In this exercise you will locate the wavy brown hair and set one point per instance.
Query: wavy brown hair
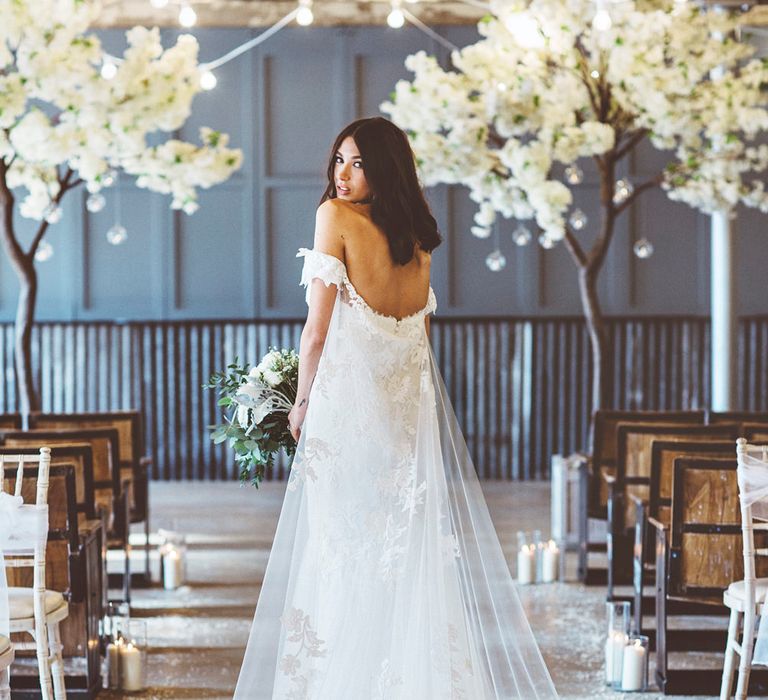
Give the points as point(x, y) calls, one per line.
point(398, 205)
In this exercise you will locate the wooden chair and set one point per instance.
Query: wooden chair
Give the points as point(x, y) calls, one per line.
point(697, 558)
point(659, 507)
point(109, 489)
point(73, 567)
point(10, 421)
point(746, 598)
point(603, 463)
point(755, 432)
point(631, 481)
point(131, 454)
point(36, 610)
point(737, 417)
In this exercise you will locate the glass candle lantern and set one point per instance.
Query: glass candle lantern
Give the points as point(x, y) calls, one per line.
point(133, 657)
point(634, 669)
point(538, 545)
point(173, 560)
point(617, 638)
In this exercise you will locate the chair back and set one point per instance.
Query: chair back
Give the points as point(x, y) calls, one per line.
point(635, 443)
point(753, 498)
point(755, 433)
point(706, 524)
point(605, 446)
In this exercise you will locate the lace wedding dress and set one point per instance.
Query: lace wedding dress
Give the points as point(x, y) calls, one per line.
point(386, 580)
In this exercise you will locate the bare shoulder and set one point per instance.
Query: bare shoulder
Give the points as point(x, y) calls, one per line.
point(339, 210)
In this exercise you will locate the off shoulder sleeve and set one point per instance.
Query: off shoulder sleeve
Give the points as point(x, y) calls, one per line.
point(323, 266)
point(431, 302)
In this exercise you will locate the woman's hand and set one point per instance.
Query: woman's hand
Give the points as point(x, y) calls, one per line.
point(296, 418)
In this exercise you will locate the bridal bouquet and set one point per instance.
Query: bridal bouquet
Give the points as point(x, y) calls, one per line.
point(260, 399)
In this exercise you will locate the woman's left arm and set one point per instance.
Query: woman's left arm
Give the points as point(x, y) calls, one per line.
point(321, 300)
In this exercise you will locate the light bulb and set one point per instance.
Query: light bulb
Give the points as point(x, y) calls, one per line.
point(496, 261)
point(52, 213)
point(95, 202)
point(207, 80)
point(44, 252)
point(595, 74)
point(117, 234)
point(108, 69)
point(396, 18)
point(159, 4)
point(546, 241)
point(602, 20)
point(109, 177)
point(480, 231)
point(187, 16)
point(574, 175)
point(521, 235)
point(304, 16)
point(643, 248)
point(622, 190)
point(578, 219)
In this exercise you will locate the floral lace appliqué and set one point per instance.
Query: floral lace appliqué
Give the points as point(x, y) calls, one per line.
point(300, 631)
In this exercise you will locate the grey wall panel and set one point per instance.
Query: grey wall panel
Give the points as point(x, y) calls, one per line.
point(520, 387)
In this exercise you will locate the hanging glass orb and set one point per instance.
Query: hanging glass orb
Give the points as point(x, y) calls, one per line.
point(95, 202)
point(44, 251)
point(496, 261)
point(480, 231)
point(109, 177)
point(521, 235)
point(578, 220)
point(52, 213)
point(643, 248)
point(117, 234)
point(622, 190)
point(546, 241)
point(574, 175)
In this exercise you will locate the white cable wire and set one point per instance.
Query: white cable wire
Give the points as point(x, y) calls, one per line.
point(416, 22)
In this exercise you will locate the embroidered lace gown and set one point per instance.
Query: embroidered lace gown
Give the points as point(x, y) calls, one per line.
point(386, 580)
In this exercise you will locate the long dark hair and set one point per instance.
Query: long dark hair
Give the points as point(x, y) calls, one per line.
point(398, 205)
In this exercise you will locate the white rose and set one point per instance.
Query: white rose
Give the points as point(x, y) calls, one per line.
point(271, 377)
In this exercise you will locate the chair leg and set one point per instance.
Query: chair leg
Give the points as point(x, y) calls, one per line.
point(5, 684)
point(43, 661)
point(745, 663)
point(57, 661)
point(730, 655)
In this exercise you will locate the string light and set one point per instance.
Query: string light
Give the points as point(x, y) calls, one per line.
point(602, 20)
point(187, 16)
point(108, 69)
point(304, 16)
point(396, 18)
point(207, 80)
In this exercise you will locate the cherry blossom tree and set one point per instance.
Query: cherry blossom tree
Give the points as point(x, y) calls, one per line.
point(70, 115)
point(555, 81)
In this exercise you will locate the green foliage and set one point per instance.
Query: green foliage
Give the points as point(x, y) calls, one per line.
point(255, 447)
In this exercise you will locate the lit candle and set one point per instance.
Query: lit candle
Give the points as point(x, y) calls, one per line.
point(172, 569)
point(526, 564)
point(550, 563)
point(614, 656)
point(633, 671)
point(130, 668)
point(113, 660)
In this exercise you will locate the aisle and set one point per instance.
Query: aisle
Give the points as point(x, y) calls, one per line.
point(198, 633)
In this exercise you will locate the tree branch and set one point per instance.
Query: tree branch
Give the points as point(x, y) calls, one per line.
point(647, 185)
point(636, 138)
point(574, 247)
point(64, 186)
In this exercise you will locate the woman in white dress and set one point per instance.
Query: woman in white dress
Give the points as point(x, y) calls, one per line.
point(386, 580)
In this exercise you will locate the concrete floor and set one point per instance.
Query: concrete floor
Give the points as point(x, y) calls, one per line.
point(198, 633)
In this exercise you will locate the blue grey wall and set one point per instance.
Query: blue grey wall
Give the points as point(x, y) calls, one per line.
point(283, 104)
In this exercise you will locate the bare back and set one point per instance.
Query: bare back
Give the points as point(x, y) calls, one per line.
point(389, 288)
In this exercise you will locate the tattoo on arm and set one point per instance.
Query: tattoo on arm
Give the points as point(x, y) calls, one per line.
point(303, 401)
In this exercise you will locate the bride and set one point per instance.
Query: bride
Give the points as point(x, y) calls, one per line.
point(386, 580)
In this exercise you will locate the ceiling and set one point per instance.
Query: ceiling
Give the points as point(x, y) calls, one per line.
point(263, 13)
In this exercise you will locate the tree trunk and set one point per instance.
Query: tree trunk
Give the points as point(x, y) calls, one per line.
point(24, 267)
point(598, 335)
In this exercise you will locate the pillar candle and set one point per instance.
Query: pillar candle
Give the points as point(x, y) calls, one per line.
point(526, 564)
point(633, 667)
point(131, 675)
point(551, 562)
point(113, 661)
point(172, 570)
point(614, 656)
